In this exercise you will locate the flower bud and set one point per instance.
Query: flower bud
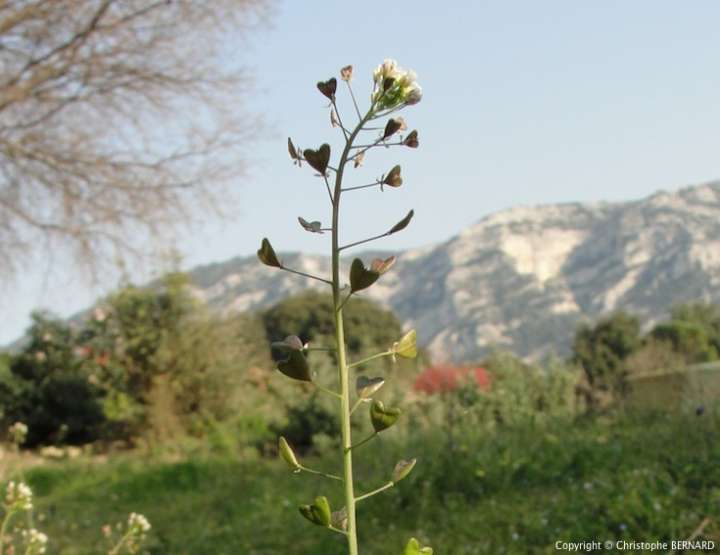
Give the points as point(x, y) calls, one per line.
point(414, 95)
point(346, 73)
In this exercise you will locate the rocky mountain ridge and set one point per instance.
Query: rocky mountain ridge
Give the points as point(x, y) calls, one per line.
point(522, 279)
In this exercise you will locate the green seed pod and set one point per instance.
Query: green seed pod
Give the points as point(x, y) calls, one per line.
point(360, 277)
point(402, 224)
point(306, 511)
point(366, 387)
point(413, 548)
point(407, 346)
point(312, 227)
point(393, 178)
point(267, 255)
point(290, 343)
point(318, 159)
point(288, 454)
point(381, 266)
point(412, 139)
point(328, 88)
point(295, 367)
point(402, 469)
point(321, 511)
point(383, 418)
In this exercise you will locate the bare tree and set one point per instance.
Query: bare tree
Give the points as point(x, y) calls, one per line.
point(117, 119)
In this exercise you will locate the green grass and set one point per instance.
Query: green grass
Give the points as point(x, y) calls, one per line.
point(514, 491)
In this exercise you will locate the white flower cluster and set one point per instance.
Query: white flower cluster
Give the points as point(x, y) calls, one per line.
point(36, 542)
point(138, 524)
point(18, 496)
point(18, 433)
point(394, 86)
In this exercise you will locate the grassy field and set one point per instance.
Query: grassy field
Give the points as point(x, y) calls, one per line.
point(512, 491)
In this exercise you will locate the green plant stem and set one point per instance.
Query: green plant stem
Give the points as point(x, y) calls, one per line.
point(328, 391)
point(352, 95)
point(305, 275)
point(115, 550)
point(375, 491)
point(317, 472)
point(343, 370)
point(3, 528)
point(375, 184)
point(356, 405)
point(363, 442)
point(368, 359)
point(356, 243)
point(346, 299)
point(337, 114)
point(343, 532)
point(327, 186)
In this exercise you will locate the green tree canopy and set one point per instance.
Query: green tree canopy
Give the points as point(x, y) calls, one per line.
point(309, 315)
point(601, 349)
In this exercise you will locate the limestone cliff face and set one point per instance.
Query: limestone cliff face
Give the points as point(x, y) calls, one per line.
point(522, 279)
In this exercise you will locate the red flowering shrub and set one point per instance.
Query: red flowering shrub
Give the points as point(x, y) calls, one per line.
point(444, 379)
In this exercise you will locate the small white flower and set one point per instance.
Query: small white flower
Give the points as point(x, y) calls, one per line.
point(36, 541)
point(414, 94)
point(403, 89)
point(138, 523)
point(387, 70)
point(18, 433)
point(18, 496)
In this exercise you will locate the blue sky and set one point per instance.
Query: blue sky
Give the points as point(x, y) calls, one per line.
point(524, 103)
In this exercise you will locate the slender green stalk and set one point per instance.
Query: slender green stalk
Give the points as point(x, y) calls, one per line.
point(375, 491)
point(318, 473)
point(356, 405)
point(363, 442)
point(305, 275)
point(115, 550)
point(368, 359)
point(3, 529)
point(343, 370)
point(356, 243)
point(328, 391)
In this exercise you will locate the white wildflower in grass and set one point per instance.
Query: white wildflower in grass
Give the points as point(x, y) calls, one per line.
point(138, 523)
point(18, 433)
point(35, 541)
point(18, 497)
point(137, 527)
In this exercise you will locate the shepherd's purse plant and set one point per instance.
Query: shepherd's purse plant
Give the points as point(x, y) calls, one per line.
point(393, 90)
